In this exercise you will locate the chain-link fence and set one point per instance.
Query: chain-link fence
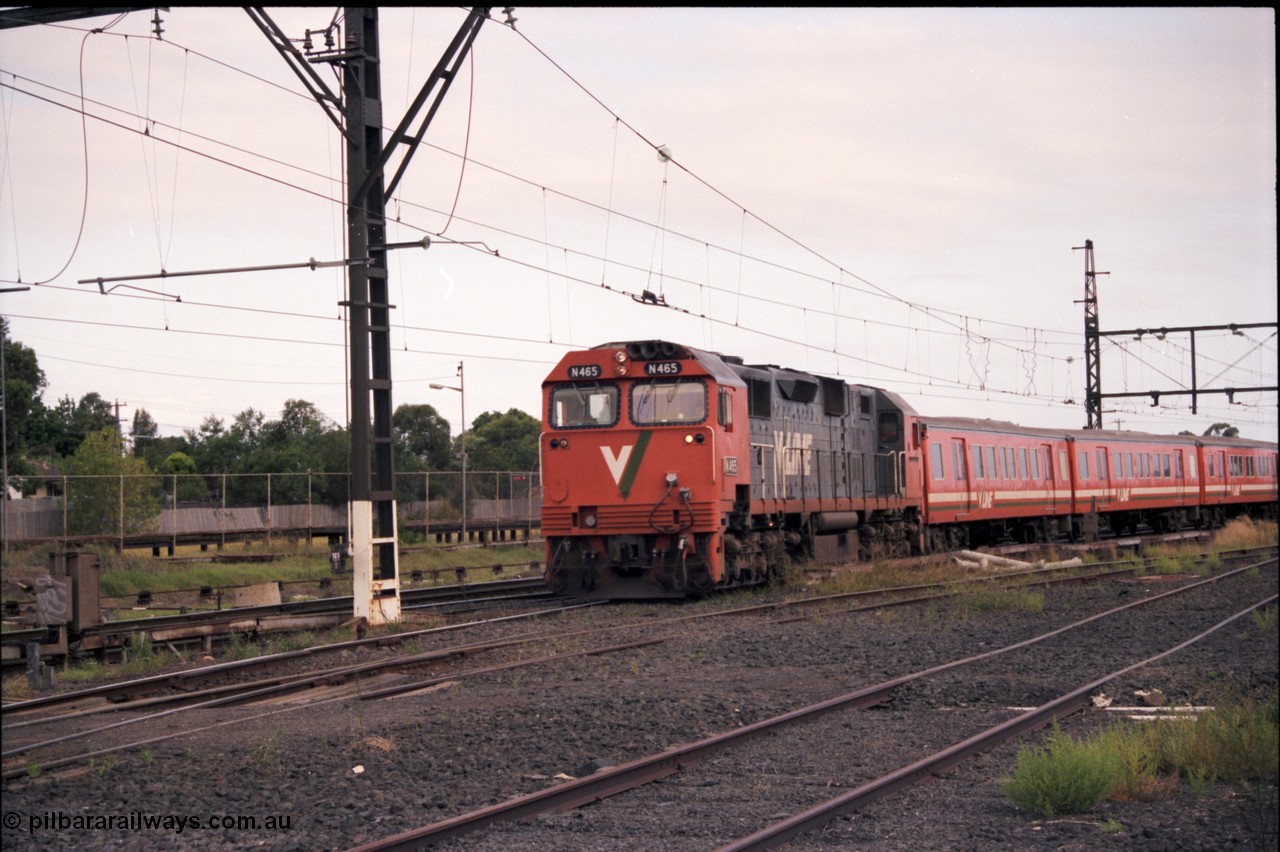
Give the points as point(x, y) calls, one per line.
point(159, 510)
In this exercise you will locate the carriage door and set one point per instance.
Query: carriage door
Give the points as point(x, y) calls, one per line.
point(1047, 480)
point(961, 474)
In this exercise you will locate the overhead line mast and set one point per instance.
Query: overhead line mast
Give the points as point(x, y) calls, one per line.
point(372, 500)
point(1093, 395)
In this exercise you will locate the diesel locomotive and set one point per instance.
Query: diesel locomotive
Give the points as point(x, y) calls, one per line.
point(669, 471)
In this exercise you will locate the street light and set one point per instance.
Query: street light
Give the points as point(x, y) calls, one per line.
point(462, 393)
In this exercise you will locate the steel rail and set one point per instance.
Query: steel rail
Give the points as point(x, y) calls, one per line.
point(183, 679)
point(923, 769)
point(306, 680)
point(610, 781)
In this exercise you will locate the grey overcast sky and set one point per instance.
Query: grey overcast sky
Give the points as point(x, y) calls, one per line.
point(888, 195)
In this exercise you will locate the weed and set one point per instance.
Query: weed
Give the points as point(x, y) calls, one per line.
point(267, 751)
point(987, 598)
point(290, 642)
point(1238, 743)
point(1265, 620)
point(1065, 777)
point(147, 756)
point(1166, 564)
point(1245, 532)
point(1112, 826)
point(374, 743)
point(1201, 780)
point(240, 646)
point(16, 688)
point(33, 769)
point(102, 767)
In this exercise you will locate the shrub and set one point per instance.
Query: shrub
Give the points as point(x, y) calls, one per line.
point(1065, 777)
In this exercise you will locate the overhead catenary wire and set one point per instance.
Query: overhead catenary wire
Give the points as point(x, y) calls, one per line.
point(807, 311)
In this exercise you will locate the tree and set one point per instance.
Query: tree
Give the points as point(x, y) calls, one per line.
point(1226, 430)
point(143, 430)
point(180, 471)
point(65, 426)
point(24, 381)
point(108, 492)
point(503, 441)
point(291, 444)
point(422, 438)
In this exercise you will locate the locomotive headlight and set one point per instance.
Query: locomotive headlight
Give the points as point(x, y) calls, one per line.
point(695, 439)
point(620, 356)
point(688, 439)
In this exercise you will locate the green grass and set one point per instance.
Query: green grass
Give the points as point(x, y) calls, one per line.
point(1238, 744)
point(987, 598)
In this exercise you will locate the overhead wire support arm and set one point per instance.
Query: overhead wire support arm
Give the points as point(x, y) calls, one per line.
point(316, 86)
point(444, 73)
point(311, 264)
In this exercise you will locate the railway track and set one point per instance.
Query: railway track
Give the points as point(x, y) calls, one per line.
point(205, 627)
point(612, 781)
point(160, 697)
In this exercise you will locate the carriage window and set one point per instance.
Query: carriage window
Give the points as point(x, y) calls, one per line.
point(935, 460)
point(1035, 464)
point(579, 406)
point(664, 402)
point(957, 449)
point(1128, 465)
point(1212, 469)
point(979, 472)
point(1248, 465)
point(1062, 464)
point(991, 463)
point(1102, 464)
point(1177, 464)
point(1022, 462)
point(1082, 464)
point(1165, 461)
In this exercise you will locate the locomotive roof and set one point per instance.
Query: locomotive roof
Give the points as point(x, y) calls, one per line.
point(713, 362)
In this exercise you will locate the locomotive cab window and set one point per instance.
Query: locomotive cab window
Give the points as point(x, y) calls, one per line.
point(575, 406)
point(890, 428)
point(668, 402)
point(935, 460)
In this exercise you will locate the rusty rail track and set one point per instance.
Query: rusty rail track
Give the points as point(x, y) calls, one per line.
point(611, 781)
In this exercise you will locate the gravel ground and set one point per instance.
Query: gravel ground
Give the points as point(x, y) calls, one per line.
point(349, 772)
